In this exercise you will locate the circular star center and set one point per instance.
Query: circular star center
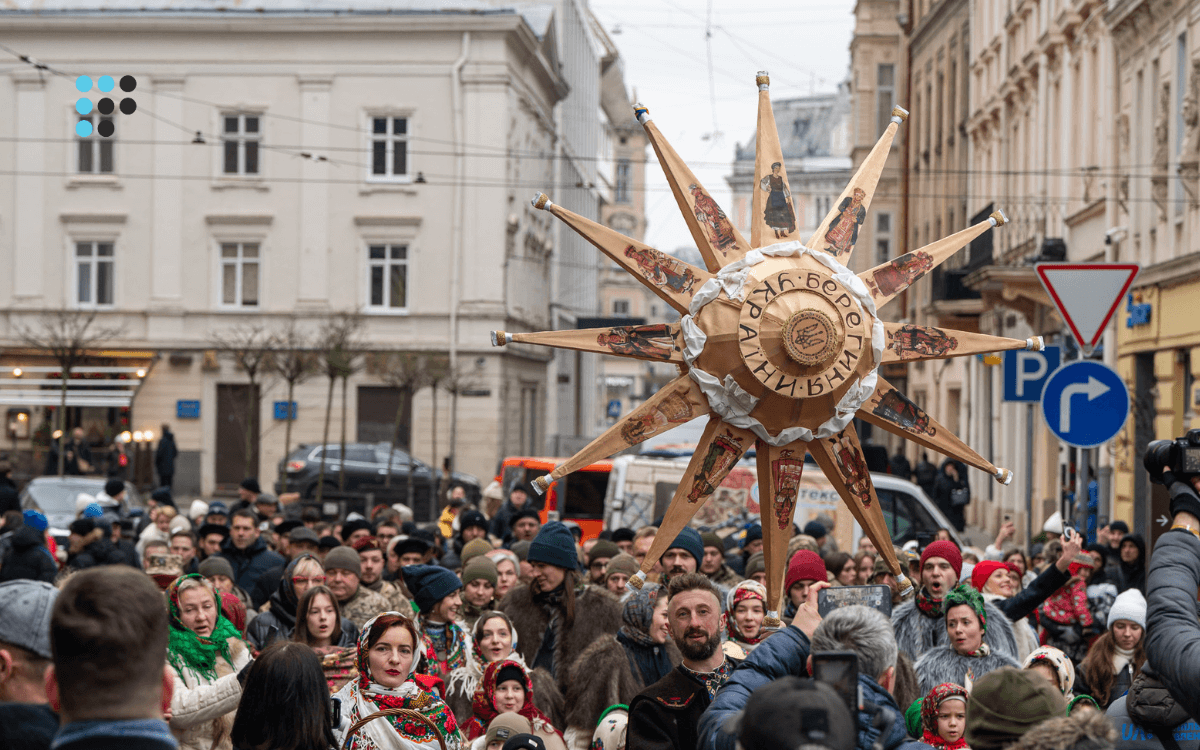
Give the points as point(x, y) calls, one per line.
point(810, 337)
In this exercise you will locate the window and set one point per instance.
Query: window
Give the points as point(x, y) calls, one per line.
point(620, 307)
point(389, 147)
point(621, 192)
point(239, 274)
point(94, 273)
point(95, 152)
point(388, 276)
point(241, 137)
point(885, 95)
point(883, 251)
point(883, 222)
point(883, 237)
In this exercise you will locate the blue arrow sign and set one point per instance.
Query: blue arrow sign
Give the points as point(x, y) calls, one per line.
point(1085, 403)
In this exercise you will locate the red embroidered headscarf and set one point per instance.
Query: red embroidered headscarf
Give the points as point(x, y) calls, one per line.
point(929, 715)
point(484, 707)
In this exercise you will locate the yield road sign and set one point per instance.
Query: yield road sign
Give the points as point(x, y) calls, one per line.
point(1087, 294)
point(1085, 403)
point(1026, 372)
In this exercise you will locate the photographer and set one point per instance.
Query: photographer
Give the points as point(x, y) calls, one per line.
point(1173, 638)
point(864, 631)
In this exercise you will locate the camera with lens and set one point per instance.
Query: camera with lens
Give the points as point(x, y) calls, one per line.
point(1179, 457)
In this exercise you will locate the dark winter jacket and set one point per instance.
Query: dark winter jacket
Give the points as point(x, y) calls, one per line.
point(1132, 576)
point(137, 734)
point(165, 454)
point(248, 564)
point(10, 499)
point(917, 633)
point(1173, 638)
point(1119, 688)
point(666, 715)
point(942, 489)
point(786, 653)
point(29, 558)
point(27, 726)
point(1024, 602)
point(501, 523)
point(1133, 735)
point(597, 613)
point(97, 550)
point(277, 624)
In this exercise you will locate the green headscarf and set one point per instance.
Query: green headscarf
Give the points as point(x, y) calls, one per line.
point(964, 594)
point(186, 649)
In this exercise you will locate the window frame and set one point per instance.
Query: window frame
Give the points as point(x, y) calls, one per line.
point(97, 144)
point(387, 263)
point(622, 181)
point(93, 261)
point(369, 138)
point(219, 275)
point(621, 301)
point(241, 113)
point(884, 116)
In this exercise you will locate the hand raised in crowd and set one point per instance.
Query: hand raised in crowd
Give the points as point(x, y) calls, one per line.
point(1007, 531)
point(807, 619)
point(1070, 548)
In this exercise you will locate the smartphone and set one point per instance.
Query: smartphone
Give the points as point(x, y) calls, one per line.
point(875, 596)
point(839, 670)
point(1007, 518)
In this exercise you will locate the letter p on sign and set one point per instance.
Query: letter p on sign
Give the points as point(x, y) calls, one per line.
point(1025, 373)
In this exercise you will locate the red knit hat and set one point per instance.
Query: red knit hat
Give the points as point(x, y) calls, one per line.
point(983, 571)
point(806, 565)
point(948, 551)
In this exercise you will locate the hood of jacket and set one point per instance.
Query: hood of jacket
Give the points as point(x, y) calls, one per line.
point(26, 538)
point(878, 698)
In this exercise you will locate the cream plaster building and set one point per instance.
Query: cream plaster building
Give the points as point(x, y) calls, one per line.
point(376, 159)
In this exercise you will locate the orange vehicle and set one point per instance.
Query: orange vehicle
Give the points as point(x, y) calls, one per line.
point(578, 497)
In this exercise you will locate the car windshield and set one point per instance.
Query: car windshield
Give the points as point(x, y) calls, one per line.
point(56, 497)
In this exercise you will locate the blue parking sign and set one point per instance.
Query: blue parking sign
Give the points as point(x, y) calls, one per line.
point(1085, 403)
point(1026, 373)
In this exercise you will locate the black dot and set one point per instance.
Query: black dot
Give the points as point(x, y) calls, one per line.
point(105, 106)
point(128, 83)
point(106, 128)
point(128, 106)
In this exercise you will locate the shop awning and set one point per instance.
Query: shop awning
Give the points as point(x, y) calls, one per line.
point(88, 386)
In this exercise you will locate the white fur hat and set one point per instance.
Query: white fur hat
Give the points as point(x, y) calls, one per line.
point(1054, 524)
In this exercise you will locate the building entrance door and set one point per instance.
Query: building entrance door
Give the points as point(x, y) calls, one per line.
point(234, 404)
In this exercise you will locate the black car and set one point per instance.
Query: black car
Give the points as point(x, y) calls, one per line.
point(366, 471)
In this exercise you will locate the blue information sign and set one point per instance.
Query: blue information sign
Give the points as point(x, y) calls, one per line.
point(187, 409)
point(1085, 403)
point(281, 409)
point(1026, 373)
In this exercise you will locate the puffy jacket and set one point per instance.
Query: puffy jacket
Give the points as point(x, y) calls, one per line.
point(248, 564)
point(199, 703)
point(1136, 736)
point(1173, 635)
point(29, 558)
point(786, 653)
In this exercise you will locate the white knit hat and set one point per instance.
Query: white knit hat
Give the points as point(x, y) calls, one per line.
point(198, 510)
point(1130, 605)
point(1054, 524)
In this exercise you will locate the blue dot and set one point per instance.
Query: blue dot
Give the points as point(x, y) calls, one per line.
point(106, 83)
point(83, 106)
point(84, 83)
point(83, 128)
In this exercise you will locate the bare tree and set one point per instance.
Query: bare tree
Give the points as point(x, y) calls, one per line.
point(338, 346)
point(438, 372)
point(406, 372)
point(458, 380)
point(252, 349)
point(293, 362)
point(67, 336)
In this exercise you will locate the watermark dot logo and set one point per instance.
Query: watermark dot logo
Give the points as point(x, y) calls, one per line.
point(106, 106)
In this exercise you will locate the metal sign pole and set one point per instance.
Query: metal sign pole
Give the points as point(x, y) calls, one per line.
point(1028, 474)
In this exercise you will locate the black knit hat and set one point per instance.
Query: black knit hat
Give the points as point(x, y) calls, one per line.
point(429, 584)
point(524, 742)
point(469, 518)
point(555, 545)
point(689, 541)
point(82, 526)
point(623, 535)
point(357, 524)
point(213, 528)
point(114, 487)
point(250, 484)
point(510, 672)
point(526, 512)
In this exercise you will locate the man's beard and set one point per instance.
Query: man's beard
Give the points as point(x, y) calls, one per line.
point(676, 570)
point(698, 651)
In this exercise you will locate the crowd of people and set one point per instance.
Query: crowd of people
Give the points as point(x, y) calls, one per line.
point(258, 625)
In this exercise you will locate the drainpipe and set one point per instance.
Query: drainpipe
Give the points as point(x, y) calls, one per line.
point(460, 172)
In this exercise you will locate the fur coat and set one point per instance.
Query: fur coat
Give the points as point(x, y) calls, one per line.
point(202, 710)
point(603, 676)
point(597, 613)
point(944, 664)
point(917, 633)
point(1023, 633)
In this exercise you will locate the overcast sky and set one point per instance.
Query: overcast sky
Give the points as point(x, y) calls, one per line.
point(804, 45)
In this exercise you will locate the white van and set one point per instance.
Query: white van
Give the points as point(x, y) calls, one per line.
point(640, 488)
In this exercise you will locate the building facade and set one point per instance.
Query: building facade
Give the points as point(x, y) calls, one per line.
point(297, 185)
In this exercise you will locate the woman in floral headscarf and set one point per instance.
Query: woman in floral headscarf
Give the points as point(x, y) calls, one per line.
point(506, 687)
point(387, 655)
point(744, 611)
point(966, 657)
point(943, 717)
point(205, 652)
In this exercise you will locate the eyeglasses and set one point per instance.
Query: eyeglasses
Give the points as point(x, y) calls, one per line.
point(315, 580)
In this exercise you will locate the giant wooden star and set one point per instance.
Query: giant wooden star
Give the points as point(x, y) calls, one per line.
point(779, 346)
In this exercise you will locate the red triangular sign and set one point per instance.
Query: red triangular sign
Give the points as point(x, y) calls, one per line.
point(1087, 294)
